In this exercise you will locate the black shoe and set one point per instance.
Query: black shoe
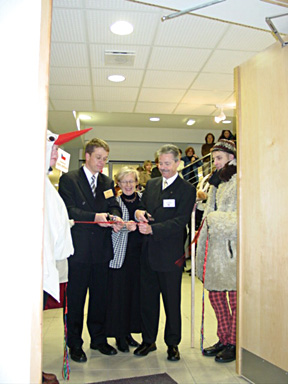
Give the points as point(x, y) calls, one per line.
point(144, 349)
point(131, 341)
point(77, 354)
point(122, 344)
point(214, 350)
point(173, 353)
point(104, 348)
point(227, 355)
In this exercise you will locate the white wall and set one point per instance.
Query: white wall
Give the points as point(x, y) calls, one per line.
point(22, 188)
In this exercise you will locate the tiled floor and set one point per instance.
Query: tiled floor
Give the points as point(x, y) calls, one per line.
point(192, 368)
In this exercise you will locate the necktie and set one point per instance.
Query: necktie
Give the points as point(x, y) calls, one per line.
point(93, 185)
point(165, 184)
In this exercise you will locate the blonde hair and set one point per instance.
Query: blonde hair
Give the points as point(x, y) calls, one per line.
point(124, 171)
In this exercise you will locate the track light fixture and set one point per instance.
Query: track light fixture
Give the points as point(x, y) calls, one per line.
point(221, 115)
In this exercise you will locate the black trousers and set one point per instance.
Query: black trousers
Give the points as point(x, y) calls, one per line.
point(152, 285)
point(83, 277)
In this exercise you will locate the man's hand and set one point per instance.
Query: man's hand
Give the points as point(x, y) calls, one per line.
point(145, 228)
point(131, 226)
point(102, 217)
point(118, 223)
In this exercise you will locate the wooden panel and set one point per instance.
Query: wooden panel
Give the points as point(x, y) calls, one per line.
point(263, 198)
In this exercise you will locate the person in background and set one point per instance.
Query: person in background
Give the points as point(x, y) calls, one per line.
point(123, 309)
point(164, 211)
point(190, 173)
point(226, 134)
point(205, 151)
point(146, 174)
point(89, 196)
point(155, 170)
point(58, 244)
point(220, 228)
point(181, 164)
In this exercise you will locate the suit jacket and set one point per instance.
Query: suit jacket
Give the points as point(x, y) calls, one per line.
point(166, 245)
point(92, 243)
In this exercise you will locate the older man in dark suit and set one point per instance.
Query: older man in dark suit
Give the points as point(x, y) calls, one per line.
point(167, 205)
point(90, 197)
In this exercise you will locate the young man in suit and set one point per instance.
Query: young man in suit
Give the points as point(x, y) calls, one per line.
point(89, 196)
point(167, 205)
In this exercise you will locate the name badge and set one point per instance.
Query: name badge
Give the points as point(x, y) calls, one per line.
point(169, 203)
point(108, 193)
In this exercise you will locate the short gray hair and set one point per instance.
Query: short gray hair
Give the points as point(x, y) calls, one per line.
point(169, 148)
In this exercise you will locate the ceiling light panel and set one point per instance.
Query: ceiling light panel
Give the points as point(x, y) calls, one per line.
point(122, 28)
point(99, 22)
point(133, 77)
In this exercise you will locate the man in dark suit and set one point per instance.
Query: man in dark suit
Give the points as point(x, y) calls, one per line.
point(88, 267)
point(167, 205)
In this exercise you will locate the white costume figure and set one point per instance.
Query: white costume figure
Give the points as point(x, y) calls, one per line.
point(58, 244)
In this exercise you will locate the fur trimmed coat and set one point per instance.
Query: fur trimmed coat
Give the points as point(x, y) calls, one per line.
point(221, 225)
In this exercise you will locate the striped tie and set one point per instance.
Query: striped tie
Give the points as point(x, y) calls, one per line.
point(93, 185)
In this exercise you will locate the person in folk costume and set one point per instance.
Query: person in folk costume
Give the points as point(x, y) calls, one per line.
point(220, 226)
point(58, 244)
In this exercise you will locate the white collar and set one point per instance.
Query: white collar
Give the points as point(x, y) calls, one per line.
point(170, 180)
point(89, 174)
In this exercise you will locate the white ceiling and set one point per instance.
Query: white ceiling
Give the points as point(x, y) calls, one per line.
point(183, 67)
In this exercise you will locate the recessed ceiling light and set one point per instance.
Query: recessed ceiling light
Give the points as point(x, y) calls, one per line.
point(226, 122)
point(116, 78)
point(84, 117)
point(121, 28)
point(191, 122)
point(154, 118)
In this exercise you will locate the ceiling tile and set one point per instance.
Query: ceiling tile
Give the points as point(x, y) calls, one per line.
point(142, 107)
point(182, 59)
point(194, 109)
point(114, 94)
point(246, 39)
point(66, 92)
point(205, 97)
point(69, 55)
point(68, 25)
point(115, 106)
point(70, 76)
point(223, 82)
point(73, 105)
point(190, 31)
point(168, 79)
point(161, 95)
point(224, 61)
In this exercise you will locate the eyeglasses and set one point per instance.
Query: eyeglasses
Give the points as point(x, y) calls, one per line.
point(130, 182)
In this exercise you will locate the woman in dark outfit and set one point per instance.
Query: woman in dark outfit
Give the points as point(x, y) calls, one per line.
point(123, 314)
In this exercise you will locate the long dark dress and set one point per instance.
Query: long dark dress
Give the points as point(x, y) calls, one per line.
point(123, 311)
